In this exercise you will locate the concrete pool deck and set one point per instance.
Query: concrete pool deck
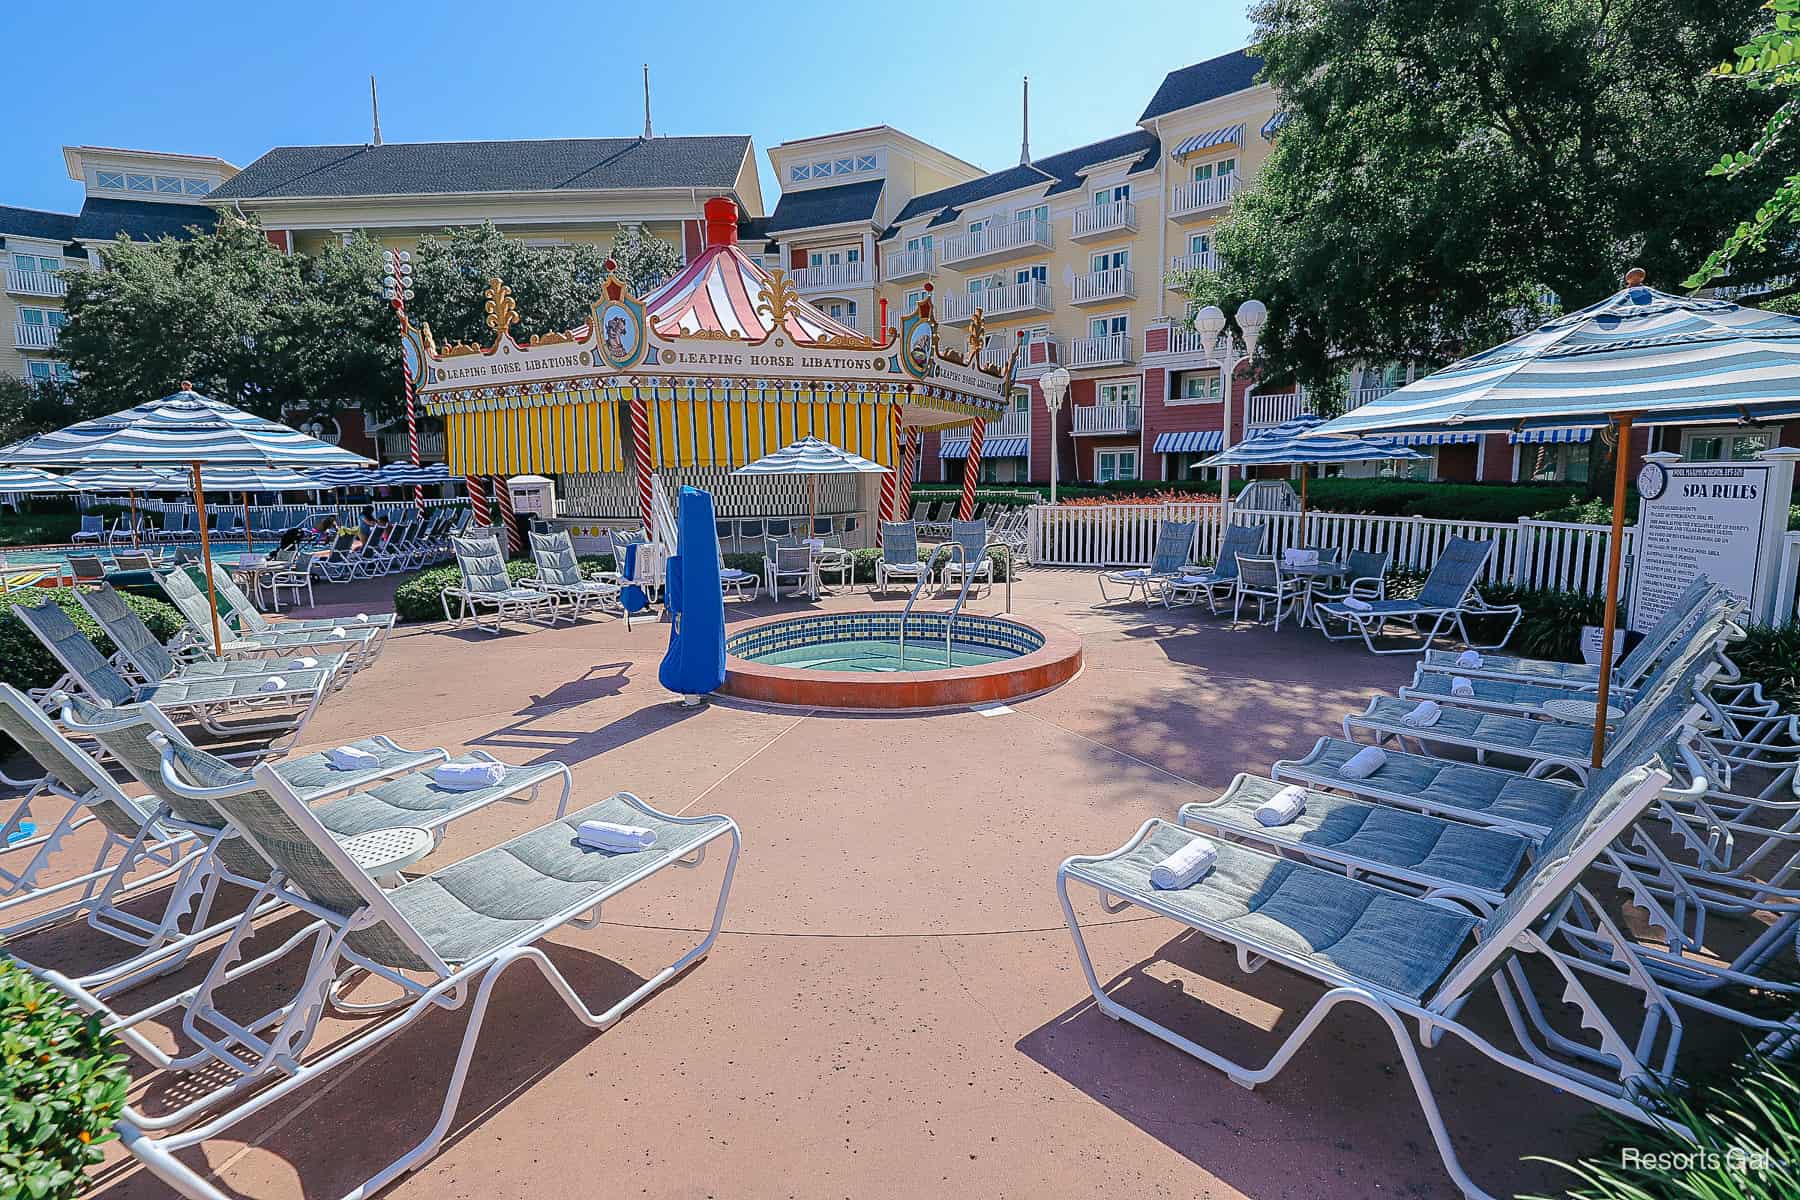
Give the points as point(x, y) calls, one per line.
point(894, 1008)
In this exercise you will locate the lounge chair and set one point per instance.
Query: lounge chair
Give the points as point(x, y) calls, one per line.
point(977, 561)
point(339, 564)
point(86, 568)
point(560, 574)
point(487, 586)
point(247, 620)
point(794, 564)
point(1221, 580)
point(125, 560)
point(1406, 959)
point(282, 712)
point(1174, 543)
point(1364, 577)
point(358, 639)
point(442, 940)
point(93, 529)
point(1260, 579)
point(899, 556)
point(1447, 599)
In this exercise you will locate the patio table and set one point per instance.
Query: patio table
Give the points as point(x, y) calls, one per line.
point(1323, 572)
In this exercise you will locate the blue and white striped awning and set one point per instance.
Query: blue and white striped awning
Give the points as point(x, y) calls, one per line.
point(1285, 444)
point(1435, 439)
point(1006, 447)
point(404, 473)
point(1231, 135)
point(1565, 434)
point(1194, 441)
point(811, 456)
point(1667, 360)
point(1273, 124)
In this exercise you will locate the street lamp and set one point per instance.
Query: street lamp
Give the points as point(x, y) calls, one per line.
point(396, 289)
point(1055, 384)
point(1209, 323)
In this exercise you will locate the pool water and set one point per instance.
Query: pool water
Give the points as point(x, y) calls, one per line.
point(883, 654)
point(224, 549)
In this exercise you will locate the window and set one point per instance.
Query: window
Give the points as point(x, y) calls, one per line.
point(1124, 391)
point(32, 316)
point(1021, 400)
point(865, 162)
point(168, 184)
point(1218, 169)
point(196, 187)
point(1199, 386)
point(1199, 243)
point(1115, 464)
point(110, 179)
point(1115, 326)
point(840, 310)
point(32, 262)
point(1187, 466)
point(1721, 445)
point(977, 228)
point(821, 170)
point(57, 317)
point(844, 166)
point(1561, 463)
point(1040, 213)
point(1112, 195)
point(914, 299)
point(140, 183)
point(1037, 274)
point(799, 172)
point(922, 242)
point(1037, 333)
point(40, 371)
point(1108, 260)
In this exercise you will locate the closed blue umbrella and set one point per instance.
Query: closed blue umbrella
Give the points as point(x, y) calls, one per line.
point(695, 662)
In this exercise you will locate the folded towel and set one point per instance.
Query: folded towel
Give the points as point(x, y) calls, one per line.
point(1468, 658)
point(1282, 807)
point(609, 835)
point(1299, 558)
point(273, 683)
point(350, 758)
point(1424, 714)
point(1364, 763)
point(360, 617)
point(1462, 685)
point(302, 664)
point(1186, 865)
point(469, 776)
point(1357, 604)
point(338, 631)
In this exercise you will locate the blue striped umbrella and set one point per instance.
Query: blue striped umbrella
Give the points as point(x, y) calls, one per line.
point(18, 480)
point(1286, 444)
point(401, 474)
point(813, 457)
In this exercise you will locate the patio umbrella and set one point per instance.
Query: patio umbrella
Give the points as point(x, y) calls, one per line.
point(183, 430)
point(1639, 357)
point(130, 480)
point(1285, 445)
point(21, 480)
point(812, 457)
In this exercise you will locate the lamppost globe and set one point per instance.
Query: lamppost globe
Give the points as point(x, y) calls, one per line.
point(1252, 315)
point(1055, 385)
point(1209, 323)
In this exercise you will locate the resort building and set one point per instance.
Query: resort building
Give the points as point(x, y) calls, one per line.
point(138, 194)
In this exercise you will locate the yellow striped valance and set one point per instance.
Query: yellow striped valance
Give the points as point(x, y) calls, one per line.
point(575, 431)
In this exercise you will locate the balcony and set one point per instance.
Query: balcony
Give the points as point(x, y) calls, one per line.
point(1202, 196)
point(35, 283)
point(1014, 424)
point(34, 337)
point(1200, 260)
point(1115, 216)
point(833, 277)
point(901, 265)
point(1110, 351)
point(1261, 411)
point(1010, 300)
point(395, 449)
point(997, 242)
point(1361, 396)
point(1114, 283)
point(1106, 418)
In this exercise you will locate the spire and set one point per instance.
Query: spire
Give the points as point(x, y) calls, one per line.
point(375, 110)
point(646, 101)
point(1025, 126)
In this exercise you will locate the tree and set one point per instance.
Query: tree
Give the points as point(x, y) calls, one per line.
point(554, 287)
point(29, 408)
point(1448, 171)
point(645, 261)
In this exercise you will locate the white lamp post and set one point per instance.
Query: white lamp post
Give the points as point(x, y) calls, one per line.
point(1209, 323)
point(1055, 384)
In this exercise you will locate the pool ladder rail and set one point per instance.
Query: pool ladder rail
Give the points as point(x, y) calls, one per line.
point(968, 577)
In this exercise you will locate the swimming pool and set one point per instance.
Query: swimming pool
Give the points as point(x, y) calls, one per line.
point(225, 550)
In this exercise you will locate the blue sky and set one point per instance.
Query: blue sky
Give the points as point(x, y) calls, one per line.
point(234, 79)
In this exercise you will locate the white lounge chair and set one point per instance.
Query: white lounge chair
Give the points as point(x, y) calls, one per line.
point(486, 587)
point(1446, 600)
point(1174, 544)
point(899, 559)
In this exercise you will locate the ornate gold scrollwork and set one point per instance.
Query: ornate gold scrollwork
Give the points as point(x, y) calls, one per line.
point(776, 296)
point(502, 313)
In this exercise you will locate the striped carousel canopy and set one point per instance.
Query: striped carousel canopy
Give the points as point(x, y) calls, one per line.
point(718, 293)
point(811, 456)
point(176, 431)
point(1286, 443)
point(17, 480)
point(1668, 360)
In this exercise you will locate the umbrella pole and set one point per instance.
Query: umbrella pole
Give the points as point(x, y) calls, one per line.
point(212, 601)
point(246, 524)
point(131, 498)
point(1305, 472)
point(1614, 552)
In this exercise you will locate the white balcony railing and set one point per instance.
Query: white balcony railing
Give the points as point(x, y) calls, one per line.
point(908, 264)
point(35, 283)
point(833, 275)
point(1106, 418)
point(1361, 396)
point(1014, 424)
point(1273, 408)
point(1199, 260)
point(1100, 351)
point(1114, 283)
point(998, 239)
point(1202, 195)
point(395, 449)
point(34, 337)
point(1010, 299)
point(1097, 219)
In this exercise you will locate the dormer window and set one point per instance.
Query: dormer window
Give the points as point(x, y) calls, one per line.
point(799, 172)
point(140, 183)
point(865, 162)
point(110, 179)
point(196, 187)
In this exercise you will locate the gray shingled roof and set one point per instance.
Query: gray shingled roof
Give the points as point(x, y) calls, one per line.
point(35, 223)
point(1068, 165)
point(437, 168)
point(814, 207)
point(140, 220)
point(1204, 81)
point(959, 194)
point(1060, 172)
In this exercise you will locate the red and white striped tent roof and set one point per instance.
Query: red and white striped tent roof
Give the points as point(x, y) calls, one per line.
point(717, 292)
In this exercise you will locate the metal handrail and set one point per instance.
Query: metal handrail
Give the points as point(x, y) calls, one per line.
point(918, 587)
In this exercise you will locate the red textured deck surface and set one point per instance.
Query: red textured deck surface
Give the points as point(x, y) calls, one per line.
point(894, 1009)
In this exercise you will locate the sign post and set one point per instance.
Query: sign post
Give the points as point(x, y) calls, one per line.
point(1723, 521)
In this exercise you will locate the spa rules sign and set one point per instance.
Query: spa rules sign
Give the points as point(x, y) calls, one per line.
point(1715, 520)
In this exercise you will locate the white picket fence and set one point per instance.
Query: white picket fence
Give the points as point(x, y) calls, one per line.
point(1527, 553)
point(1787, 584)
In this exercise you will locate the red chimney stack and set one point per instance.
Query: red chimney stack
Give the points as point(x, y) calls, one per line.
point(721, 221)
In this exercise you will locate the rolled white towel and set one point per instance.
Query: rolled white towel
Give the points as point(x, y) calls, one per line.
point(338, 631)
point(609, 835)
point(1186, 865)
point(1282, 807)
point(1364, 763)
point(1424, 714)
point(1468, 658)
point(302, 664)
point(350, 758)
point(1462, 685)
point(469, 776)
point(273, 683)
point(360, 617)
point(1357, 604)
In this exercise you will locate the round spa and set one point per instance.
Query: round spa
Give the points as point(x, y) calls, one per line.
point(855, 660)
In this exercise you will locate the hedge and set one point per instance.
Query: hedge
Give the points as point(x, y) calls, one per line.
point(26, 664)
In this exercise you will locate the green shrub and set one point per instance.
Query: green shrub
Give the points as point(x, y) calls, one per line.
point(25, 663)
point(1770, 655)
point(62, 1085)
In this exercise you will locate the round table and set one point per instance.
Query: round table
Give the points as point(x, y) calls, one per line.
point(384, 853)
point(1323, 572)
point(1579, 711)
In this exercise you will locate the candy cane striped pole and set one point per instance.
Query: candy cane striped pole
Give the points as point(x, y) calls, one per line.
point(640, 457)
point(503, 496)
point(909, 466)
point(896, 435)
point(972, 471)
point(478, 504)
